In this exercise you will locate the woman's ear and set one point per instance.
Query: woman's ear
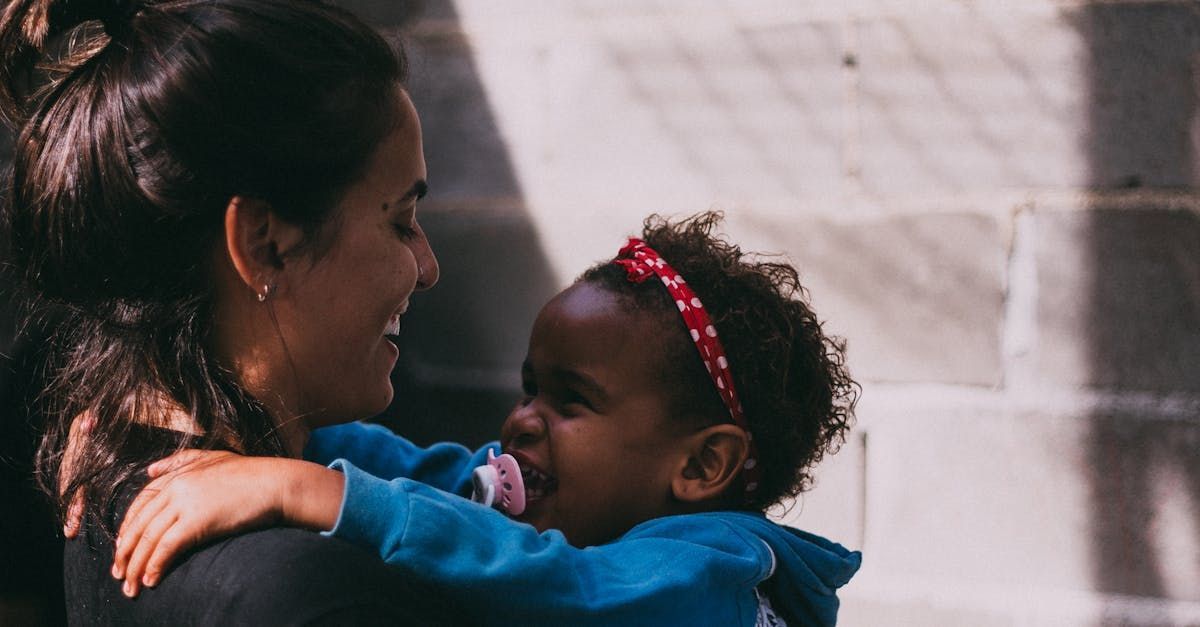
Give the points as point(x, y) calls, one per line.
point(715, 461)
point(258, 241)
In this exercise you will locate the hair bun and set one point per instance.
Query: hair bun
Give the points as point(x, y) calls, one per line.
point(115, 15)
point(118, 19)
point(29, 28)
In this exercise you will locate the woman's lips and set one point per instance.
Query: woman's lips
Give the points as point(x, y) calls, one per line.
point(394, 323)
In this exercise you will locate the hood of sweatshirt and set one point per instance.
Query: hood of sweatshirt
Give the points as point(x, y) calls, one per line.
point(808, 569)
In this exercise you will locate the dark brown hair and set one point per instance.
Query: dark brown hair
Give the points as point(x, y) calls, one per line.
point(790, 376)
point(136, 123)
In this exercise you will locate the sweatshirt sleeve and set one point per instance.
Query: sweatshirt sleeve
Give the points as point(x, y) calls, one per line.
point(380, 452)
point(504, 572)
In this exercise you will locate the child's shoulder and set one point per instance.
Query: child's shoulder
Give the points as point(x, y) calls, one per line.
point(737, 531)
point(718, 529)
point(714, 519)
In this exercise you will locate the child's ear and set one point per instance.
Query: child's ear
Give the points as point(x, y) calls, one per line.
point(258, 241)
point(716, 456)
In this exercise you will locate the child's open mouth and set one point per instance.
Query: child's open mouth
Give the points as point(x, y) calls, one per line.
point(537, 483)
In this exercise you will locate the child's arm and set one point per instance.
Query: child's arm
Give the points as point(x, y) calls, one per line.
point(503, 572)
point(498, 570)
point(219, 494)
point(375, 449)
point(196, 496)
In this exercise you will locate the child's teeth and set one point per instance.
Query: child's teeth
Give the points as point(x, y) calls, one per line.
point(393, 327)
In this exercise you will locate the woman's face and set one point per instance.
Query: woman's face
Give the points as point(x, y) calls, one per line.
point(346, 301)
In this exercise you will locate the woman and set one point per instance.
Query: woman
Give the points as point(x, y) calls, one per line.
point(221, 195)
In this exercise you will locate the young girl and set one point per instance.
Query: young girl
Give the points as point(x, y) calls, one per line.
point(660, 418)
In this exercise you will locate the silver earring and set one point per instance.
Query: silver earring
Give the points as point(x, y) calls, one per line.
point(266, 292)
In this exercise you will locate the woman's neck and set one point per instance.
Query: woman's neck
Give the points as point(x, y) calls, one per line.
point(156, 409)
point(293, 432)
point(247, 341)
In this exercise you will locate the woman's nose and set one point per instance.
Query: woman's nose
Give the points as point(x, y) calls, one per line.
point(523, 427)
point(427, 264)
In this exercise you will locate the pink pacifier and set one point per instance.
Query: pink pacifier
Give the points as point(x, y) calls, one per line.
point(499, 484)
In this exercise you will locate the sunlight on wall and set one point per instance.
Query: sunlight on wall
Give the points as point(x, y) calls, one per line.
point(929, 167)
point(1177, 522)
point(612, 113)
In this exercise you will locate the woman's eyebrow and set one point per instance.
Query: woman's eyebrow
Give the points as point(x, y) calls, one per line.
point(418, 191)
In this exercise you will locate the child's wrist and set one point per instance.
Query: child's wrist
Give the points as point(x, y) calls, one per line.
point(311, 496)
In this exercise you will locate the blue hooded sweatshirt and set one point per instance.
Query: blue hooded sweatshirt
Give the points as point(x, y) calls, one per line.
point(407, 504)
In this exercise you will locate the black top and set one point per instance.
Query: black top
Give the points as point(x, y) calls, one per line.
point(270, 577)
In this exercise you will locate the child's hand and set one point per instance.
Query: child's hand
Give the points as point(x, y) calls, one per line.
point(195, 496)
point(81, 428)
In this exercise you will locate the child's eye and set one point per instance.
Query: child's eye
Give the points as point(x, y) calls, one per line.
point(576, 400)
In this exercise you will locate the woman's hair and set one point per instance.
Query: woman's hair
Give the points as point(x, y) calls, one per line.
point(137, 122)
point(790, 376)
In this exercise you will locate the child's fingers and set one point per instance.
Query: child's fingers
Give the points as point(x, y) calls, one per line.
point(145, 546)
point(74, 520)
point(81, 427)
point(176, 540)
point(174, 462)
point(133, 528)
point(150, 496)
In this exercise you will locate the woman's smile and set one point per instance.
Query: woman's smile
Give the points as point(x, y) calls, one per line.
point(346, 312)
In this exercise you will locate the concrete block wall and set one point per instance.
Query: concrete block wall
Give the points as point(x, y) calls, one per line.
point(995, 202)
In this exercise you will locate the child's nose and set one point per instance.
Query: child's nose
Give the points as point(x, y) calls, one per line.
point(523, 427)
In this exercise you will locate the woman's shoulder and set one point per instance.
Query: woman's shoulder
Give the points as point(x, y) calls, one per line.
point(297, 577)
point(271, 576)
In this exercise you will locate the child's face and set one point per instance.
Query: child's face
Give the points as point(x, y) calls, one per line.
point(592, 434)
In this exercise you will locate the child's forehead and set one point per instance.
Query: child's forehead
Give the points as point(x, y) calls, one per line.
point(586, 315)
point(585, 297)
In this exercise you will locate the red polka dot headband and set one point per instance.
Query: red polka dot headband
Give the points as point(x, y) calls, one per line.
point(642, 262)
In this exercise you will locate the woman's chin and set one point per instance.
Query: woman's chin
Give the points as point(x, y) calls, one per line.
point(380, 400)
point(371, 402)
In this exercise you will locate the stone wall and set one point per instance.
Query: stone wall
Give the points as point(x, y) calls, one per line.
point(994, 202)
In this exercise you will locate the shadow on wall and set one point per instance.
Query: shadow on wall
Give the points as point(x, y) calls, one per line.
point(463, 342)
point(1142, 315)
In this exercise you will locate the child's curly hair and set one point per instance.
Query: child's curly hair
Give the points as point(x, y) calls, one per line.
point(790, 376)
